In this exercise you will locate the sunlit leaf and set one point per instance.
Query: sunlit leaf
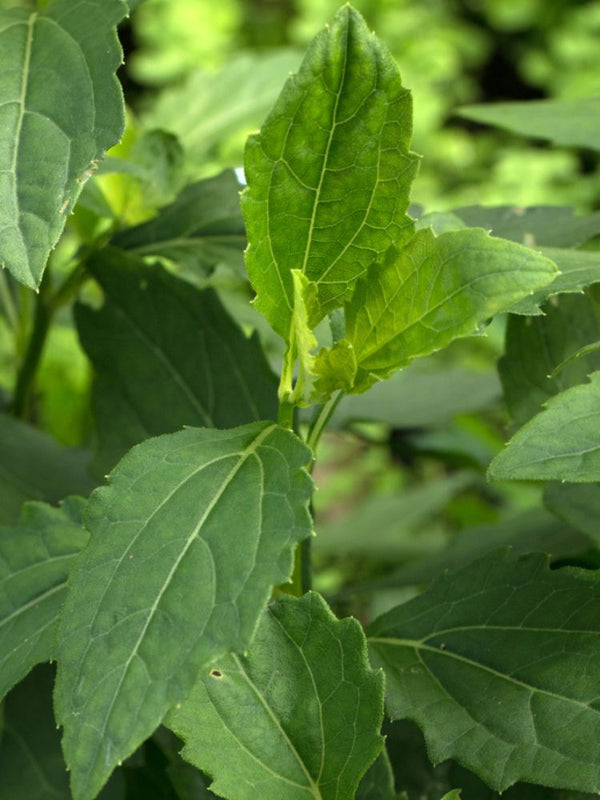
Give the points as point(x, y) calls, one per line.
point(432, 291)
point(187, 541)
point(61, 108)
point(329, 173)
point(298, 715)
point(497, 664)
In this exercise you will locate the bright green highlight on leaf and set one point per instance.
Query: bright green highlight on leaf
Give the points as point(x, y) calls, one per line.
point(61, 108)
point(36, 555)
point(497, 663)
point(298, 717)
point(329, 173)
point(188, 540)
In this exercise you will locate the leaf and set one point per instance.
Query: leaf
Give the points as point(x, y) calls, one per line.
point(411, 398)
point(310, 734)
point(202, 523)
point(31, 761)
point(166, 355)
point(535, 346)
point(201, 228)
point(432, 291)
point(573, 123)
point(329, 173)
point(61, 108)
point(455, 794)
point(378, 782)
point(578, 269)
point(493, 662)
point(213, 113)
point(36, 555)
point(58, 471)
point(578, 504)
point(189, 783)
point(535, 226)
point(560, 443)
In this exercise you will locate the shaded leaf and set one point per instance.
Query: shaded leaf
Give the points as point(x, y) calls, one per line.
point(578, 504)
point(166, 354)
point(562, 442)
point(31, 762)
point(496, 663)
point(311, 734)
point(578, 269)
point(535, 346)
point(202, 523)
point(378, 782)
point(329, 173)
point(58, 471)
point(61, 108)
point(432, 291)
point(189, 783)
point(201, 228)
point(36, 556)
point(574, 123)
point(534, 226)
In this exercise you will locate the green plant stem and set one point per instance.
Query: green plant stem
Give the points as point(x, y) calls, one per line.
point(8, 302)
point(320, 419)
point(47, 304)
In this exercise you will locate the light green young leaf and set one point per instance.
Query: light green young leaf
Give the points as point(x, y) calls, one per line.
point(432, 291)
point(59, 471)
point(36, 555)
point(496, 663)
point(298, 715)
point(202, 523)
point(455, 794)
point(166, 354)
point(562, 442)
point(200, 229)
point(578, 269)
point(61, 108)
point(329, 173)
point(535, 346)
point(31, 762)
point(574, 123)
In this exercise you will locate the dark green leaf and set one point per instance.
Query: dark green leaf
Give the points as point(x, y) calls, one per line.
point(201, 228)
point(166, 355)
point(577, 504)
point(57, 473)
point(497, 664)
point(36, 556)
point(433, 291)
point(299, 715)
point(329, 173)
point(61, 108)
point(535, 346)
point(536, 226)
point(578, 269)
point(31, 762)
point(560, 443)
point(575, 123)
point(202, 523)
point(378, 783)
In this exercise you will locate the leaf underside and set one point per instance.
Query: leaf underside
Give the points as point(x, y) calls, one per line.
point(298, 717)
point(61, 108)
point(498, 664)
point(202, 523)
